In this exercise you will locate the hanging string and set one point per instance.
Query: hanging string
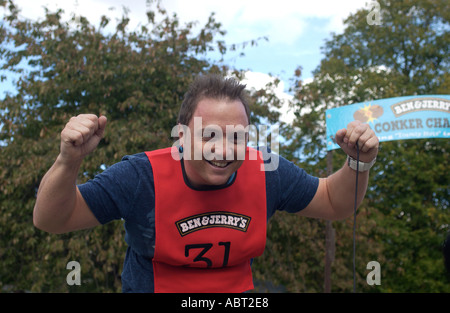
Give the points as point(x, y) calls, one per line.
point(354, 218)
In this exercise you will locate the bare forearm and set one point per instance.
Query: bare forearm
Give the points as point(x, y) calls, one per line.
point(56, 196)
point(60, 207)
point(341, 190)
point(335, 195)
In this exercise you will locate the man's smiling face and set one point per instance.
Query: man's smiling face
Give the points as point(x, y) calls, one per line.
point(214, 167)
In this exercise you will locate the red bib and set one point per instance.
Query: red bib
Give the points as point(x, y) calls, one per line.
point(205, 239)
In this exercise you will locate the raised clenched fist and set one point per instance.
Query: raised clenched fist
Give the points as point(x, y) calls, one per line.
point(81, 136)
point(358, 132)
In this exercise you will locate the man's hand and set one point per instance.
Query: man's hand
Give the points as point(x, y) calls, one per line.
point(81, 136)
point(357, 131)
point(59, 206)
point(328, 202)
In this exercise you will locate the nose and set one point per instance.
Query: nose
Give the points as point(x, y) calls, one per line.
point(223, 150)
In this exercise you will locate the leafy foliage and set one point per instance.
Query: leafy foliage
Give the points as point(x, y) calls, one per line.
point(136, 78)
point(405, 217)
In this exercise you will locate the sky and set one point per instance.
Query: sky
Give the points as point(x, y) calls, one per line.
point(295, 29)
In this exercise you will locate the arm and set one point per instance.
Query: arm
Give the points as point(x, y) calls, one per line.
point(59, 206)
point(334, 198)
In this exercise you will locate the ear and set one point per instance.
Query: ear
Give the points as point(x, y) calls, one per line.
point(180, 131)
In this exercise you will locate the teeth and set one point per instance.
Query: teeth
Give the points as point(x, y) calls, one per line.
point(219, 164)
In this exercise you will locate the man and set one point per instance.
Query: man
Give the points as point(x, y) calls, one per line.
point(194, 221)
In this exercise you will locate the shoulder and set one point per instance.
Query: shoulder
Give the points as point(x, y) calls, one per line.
point(129, 171)
point(276, 164)
point(138, 159)
point(288, 186)
point(139, 162)
point(137, 166)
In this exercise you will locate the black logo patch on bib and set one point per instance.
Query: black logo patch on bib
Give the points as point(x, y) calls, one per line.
point(213, 219)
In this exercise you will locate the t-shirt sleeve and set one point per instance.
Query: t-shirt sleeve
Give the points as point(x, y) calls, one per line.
point(299, 187)
point(291, 189)
point(111, 193)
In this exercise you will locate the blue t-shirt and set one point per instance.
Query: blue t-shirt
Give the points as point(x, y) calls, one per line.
point(126, 191)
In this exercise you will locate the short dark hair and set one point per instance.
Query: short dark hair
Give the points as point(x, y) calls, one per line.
point(212, 86)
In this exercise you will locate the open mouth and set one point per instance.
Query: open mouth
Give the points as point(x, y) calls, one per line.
point(221, 164)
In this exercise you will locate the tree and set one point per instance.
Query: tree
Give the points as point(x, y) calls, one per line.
point(405, 217)
point(136, 78)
